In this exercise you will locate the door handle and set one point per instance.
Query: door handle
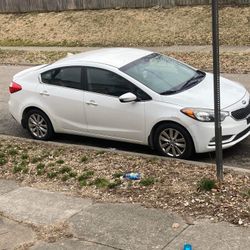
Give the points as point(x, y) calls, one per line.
point(44, 93)
point(92, 102)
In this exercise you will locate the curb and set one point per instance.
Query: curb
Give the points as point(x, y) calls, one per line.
point(189, 162)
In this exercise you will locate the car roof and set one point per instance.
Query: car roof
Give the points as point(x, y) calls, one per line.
point(116, 57)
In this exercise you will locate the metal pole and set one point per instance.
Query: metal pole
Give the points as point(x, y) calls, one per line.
point(216, 71)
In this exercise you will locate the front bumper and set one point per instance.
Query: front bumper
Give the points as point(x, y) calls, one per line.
point(232, 133)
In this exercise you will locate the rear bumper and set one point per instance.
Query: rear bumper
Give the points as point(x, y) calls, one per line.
point(13, 108)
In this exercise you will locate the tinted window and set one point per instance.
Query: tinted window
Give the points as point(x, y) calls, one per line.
point(109, 83)
point(66, 77)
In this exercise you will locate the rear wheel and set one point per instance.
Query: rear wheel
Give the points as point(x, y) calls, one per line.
point(39, 125)
point(174, 141)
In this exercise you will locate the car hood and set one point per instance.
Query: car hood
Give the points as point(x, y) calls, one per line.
point(202, 95)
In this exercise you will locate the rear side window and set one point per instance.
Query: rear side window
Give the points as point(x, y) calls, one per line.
point(70, 77)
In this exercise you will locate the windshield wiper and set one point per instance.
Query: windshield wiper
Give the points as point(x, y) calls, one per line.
point(169, 92)
point(199, 76)
point(194, 80)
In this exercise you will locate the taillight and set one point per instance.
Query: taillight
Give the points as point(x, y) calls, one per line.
point(14, 87)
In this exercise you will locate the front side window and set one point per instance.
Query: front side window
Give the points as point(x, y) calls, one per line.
point(163, 74)
point(70, 77)
point(106, 82)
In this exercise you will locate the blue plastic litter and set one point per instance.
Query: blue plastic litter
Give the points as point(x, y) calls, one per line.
point(132, 176)
point(187, 247)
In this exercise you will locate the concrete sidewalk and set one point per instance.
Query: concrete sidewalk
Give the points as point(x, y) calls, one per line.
point(173, 48)
point(104, 226)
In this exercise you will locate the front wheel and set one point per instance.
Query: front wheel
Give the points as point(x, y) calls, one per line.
point(174, 141)
point(39, 125)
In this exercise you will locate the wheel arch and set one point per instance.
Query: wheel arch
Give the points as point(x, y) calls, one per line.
point(25, 112)
point(152, 132)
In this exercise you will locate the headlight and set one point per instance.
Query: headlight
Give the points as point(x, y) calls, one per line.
point(203, 115)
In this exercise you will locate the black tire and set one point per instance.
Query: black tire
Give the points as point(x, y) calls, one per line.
point(166, 144)
point(40, 128)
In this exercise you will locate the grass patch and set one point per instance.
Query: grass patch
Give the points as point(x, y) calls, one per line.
point(12, 152)
point(35, 160)
point(83, 183)
point(3, 161)
point(60, 161)
point(82, 179)
point(86, 175)
point(17, 168)
point(72, 174)
point(52, 175)
point(40, 169)
point(51, 164)
point(40, 166)
point(24, 156)
point(114, 184)
point(40, 172)
point(101, 182)
point(147, 181)
point(65, 169)
point(21, 168)
point(206, 184)
point(84, 159)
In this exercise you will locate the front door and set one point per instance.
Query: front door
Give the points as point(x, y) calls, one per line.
point(106, 115)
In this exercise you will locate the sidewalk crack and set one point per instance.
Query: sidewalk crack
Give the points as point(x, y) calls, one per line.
point(4, 193)
point(184, 229)
point(98, 243)
point(4, 233)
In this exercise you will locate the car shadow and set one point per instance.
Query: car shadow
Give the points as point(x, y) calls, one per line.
point(103, 143)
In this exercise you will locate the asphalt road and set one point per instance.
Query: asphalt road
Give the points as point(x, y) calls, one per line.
point(238, 156)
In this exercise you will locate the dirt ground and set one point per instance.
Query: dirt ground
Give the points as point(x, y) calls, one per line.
point(139, 27)
point(189, 189)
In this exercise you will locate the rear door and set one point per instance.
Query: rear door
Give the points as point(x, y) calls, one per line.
point(62, 93)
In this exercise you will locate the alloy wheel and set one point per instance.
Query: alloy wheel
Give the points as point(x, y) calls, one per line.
point(38, 126)
point(172, 142)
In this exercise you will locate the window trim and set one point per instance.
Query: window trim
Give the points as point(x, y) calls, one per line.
point(86, 83)
point(82, 82)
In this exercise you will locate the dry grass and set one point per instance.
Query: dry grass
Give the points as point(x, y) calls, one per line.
point(29, 57)
point(141, 27)
point(53, 232)
point(230, 62)
point(166, 184)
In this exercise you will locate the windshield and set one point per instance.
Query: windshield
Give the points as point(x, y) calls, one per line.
point(163, 74)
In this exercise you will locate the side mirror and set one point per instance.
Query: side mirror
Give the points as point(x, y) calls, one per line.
point(128, 97)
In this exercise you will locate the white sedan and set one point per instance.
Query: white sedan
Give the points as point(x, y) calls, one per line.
point(129, 95)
